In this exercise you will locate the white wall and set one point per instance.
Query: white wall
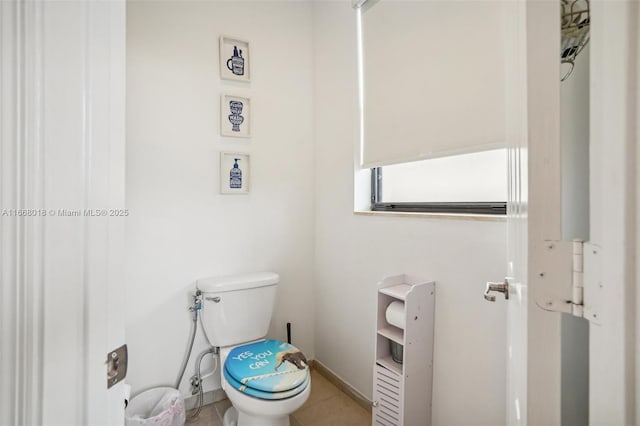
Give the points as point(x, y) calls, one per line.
point(303, 89)
point(180, 227)
point(354, 252)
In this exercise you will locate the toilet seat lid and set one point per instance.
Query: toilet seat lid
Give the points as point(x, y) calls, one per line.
point(267, 366)
point(262, 394)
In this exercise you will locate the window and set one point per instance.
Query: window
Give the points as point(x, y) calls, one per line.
point(474, 183)
point(432, 105)
point(429, 89)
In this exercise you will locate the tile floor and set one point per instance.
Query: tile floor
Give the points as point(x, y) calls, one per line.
point(327, 406)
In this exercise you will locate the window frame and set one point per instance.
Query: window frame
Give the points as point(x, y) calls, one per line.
point(480, 208)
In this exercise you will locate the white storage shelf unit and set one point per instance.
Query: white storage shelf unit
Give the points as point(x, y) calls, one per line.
point(402, 392)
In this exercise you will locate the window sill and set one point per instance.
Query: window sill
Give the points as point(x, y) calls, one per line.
point(446, 216)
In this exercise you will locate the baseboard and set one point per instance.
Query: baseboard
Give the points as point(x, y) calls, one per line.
point(345, 387)
point(209, 397)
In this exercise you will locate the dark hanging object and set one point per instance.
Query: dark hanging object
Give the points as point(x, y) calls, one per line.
point(575, 20)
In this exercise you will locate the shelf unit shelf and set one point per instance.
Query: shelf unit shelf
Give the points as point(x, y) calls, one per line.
point(388, 363)
point(392, 333)
point(401, 390)
point(399, 291)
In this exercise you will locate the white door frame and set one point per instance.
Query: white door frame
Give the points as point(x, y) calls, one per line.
point(543, 205)
point(62, 151)
point(21, 254)
point(615, 103)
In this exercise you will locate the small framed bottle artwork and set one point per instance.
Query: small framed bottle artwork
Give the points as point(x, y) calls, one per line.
point(234, 173)
point(235, 60)
point(235, 116)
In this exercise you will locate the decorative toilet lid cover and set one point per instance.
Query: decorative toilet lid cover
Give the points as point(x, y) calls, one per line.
point(267, 366)
point(262, 394)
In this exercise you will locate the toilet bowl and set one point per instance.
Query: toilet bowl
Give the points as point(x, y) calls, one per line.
point(263, 388)
point(265, 380)
point(248, 411)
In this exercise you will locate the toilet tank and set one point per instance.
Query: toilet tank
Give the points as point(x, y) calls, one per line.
point(237, 308)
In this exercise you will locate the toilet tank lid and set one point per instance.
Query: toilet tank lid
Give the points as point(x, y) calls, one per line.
point(237, 282)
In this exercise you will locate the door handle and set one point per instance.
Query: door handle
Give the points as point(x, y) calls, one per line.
point(496, 287)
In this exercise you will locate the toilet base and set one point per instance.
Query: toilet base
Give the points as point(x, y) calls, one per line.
point(230, 417)
point(233, 418)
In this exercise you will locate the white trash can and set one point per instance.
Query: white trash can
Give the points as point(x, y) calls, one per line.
point(156, 407)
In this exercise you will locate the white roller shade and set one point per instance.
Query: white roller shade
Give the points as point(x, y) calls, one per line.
point(433, 79)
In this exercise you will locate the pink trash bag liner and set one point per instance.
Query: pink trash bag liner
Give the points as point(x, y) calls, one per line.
point(156, 407)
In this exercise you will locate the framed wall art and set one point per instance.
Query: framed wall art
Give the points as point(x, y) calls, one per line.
point(235, 59)
point(235, 116)
point(234, 173)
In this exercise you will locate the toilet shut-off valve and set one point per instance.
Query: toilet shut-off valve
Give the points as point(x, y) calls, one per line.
point(496, 287)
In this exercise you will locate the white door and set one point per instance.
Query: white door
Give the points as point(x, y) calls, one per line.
point(62, 192)
point(516, 132)
point(533, 334)
point(534, 344)
point(536, 250)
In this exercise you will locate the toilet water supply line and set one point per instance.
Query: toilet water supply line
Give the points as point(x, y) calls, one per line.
point(196, 380)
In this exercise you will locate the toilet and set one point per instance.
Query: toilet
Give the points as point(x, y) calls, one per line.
point(265, 380)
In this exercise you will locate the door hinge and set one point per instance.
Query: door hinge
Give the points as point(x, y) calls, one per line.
point(576, 263)
point(577, 283)
point(593, 284)
point(586, 283)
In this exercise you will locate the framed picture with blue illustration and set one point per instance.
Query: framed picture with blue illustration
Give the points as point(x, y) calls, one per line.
point(235, 60)
point(234, 173)
point(235, 115)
